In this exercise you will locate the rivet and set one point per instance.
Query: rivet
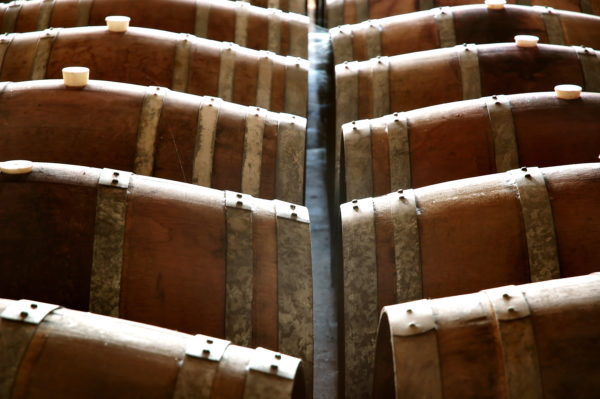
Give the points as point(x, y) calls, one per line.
point(207, 351)
point(354, 201)
point(239, 203)
point(400, 191)
point(586, 51)
point(278, 356)
point(274, 367)
point(524, 169)
point(209, 341)
point(412, 325)
point(354, 128)
point(33, 306)
point(505, 296)
point(408, 310)
point(294, 215)
point(395, 114)
point(495, 97)
point(292, 206)
point(116, 174)
point(527, 175)
point(355, 207)
point(238, 195)
point(511, 309)
point(115, 181)
point(24, 314)
point(401, 197)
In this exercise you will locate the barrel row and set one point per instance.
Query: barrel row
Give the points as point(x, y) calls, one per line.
point(340, 12)
point(466, 139)
point(449, 26)
point(160, 252)
point(459, 237)
point(230, 21)
point(156, 131)
point(47, 351)
point(150, 57)
point(535, 340)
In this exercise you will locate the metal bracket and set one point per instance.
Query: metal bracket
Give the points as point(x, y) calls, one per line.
point(207, 348)
point(508, 302)
point(27, 311)
point(411, 318)
point(290, 211)
point(114, 178)
point(274, 363)
point(239, 200)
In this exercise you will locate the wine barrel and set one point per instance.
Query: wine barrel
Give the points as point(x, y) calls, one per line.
point(151, 57)
point(202, 140)
point(468, 138)
point(529, 341)
point(160, 252)
point(459, 237)
point(340, 12)
point(449, 26)
point(222, 20)
point(50, 352)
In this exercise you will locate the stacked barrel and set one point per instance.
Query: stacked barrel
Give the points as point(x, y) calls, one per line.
point(466, 148)
point(166, 190)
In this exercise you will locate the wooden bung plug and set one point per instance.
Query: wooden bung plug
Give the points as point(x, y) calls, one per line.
point(567, 92)
point(495, 4)
point(526, 40)
point(16, 167)
point(76, 76)
point(117, 23)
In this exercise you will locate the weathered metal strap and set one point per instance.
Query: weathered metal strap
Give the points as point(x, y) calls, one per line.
point(270, 375)
point(553, 25)
point(539, 224)
point(380, 72)
point(399, 145)
point(241, 23)
point(146, 134)
point(335, 13)
point(444, 20)
point(264, 83)
point(197, 373)
point(44, 14)
point(208, 115)
point(109, 237)
point(202, 18)
point(84, 8)
point(469, 71)
point(289, 175)
point(341, 41)
point(11, 14)
point(590, 65)
point(298, 35)
point(521, 365)
point(42, 54)
point(360, 293)
point(181, 64)
point(426, 4)
point(296, 87)
point(240, 268)
point(294, 283)
point(346, 104)
point(373, 39)
point(274, 31)
point(407, 245)
point(226, 72)
point(503, 131)
point(5, 41)
point(26, 311)
point(253, 145)
point(358, 160)
point(586, 6)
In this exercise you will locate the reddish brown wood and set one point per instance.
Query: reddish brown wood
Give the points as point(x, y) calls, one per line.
point(269, 159)
point(229, 151)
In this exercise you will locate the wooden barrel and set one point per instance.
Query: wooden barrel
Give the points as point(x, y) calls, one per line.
point(460, 237)
point(339, 12)
point(156, 251)
point(468, 138)
point(200, 140)
point(229, 21)
point(529, 341)
point(51, 352)
point(151, 57)
point(449, 26)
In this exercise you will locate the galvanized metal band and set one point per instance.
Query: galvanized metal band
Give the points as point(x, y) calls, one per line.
point(26, 311)
point(469, 71)
point(407, 245)
point(399, 147)
point(202, 18)
point(253, 145)
point(341, 42)
point(362, 10)
point(241, 22)
point(9, 21)
point(42, 54)
point(226, 72)
point(295, 284)
point(274, 31)
point(358, 162)
point(444, 19)
point(297, 6)
point(409, 319)
point(590, 65)
point(503, 132)
point(84, 8)
point(296, 86)
point(109, 237)
point(5, 41)
point(298, 35)
point(360, 293)
point(208, 115)
point(380, 72)
point(426, 4)
point(264, 83)
point(539, 224)
point(586, 6)
point(181, 64)
point(291, 154)
point(553, 25)
point(44, 14)
point(240, 268)
point(373, 39)
point(517, 340)
point(334, 10)
point(146, 135)
point(264, 370)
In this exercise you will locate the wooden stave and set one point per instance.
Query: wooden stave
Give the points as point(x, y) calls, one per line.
point(566, 186)
point(290, 30)
point(134, 357)
point(540, 141)
point(200, 66)
point(560, 311)
point(173, 214)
